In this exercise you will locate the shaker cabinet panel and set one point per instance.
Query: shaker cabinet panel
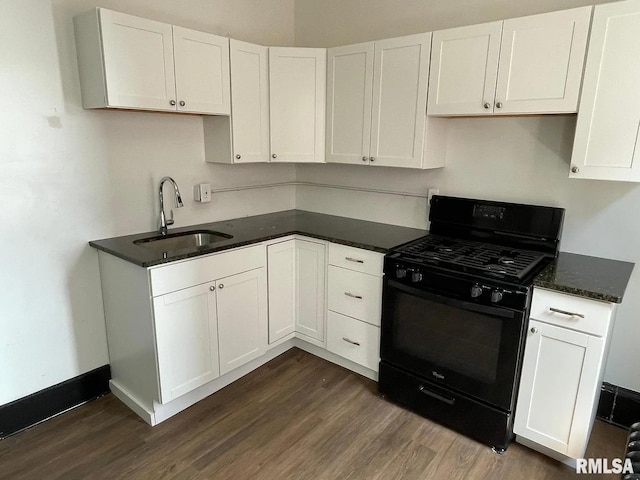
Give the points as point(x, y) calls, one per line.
point(250, 100)
point(349, 97)
point(464, 67)
point(242, 318)
point(202, 72)
point(297, 79)
point(186, 340)
point(310, 288)
point(607, 140)
point(541, 62)
point(138, 62)
point(560, 379)
point(281, 261)
point(401, 75)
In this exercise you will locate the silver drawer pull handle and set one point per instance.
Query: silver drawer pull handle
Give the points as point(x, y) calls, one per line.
point(353, 296)
point(350, 259)
point(564, 312)
point(351, 341)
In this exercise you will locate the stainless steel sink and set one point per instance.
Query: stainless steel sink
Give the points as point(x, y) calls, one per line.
point(182, 241)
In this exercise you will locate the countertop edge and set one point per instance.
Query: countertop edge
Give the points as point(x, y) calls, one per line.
point(588, 294)
point(223, 248)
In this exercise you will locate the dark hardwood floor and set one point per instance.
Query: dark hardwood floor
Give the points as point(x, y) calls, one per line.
point(298, 417)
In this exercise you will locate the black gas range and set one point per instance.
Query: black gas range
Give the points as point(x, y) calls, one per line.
point(455, 309)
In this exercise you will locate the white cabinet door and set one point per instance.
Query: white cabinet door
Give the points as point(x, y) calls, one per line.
point(242, 318)
point(541, 61)
point(138, 62)
point(281, 261)
point(202, 72)
point(297, 79)
point(607, 141)
point(310, 288)
point(464, 68)
point(187, 340)
point(349, 90)
point(250, 102)
point(401, 75)
point(560, 379)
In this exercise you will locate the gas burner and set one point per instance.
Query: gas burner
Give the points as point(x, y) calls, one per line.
point(484, 259)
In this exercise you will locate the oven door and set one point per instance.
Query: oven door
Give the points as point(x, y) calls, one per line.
point(469, 347)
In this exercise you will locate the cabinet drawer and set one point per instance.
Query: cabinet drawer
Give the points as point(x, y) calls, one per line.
point(355, 294)
point(356, 259)
point(569, 311)
point(354, 340)
point(175, 276)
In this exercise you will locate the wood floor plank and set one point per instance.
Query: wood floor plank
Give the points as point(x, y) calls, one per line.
point(297, 417)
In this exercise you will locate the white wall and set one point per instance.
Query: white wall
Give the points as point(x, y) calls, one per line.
point(520, 159)
point(68, 176)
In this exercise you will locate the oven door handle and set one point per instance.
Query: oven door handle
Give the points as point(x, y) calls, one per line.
point(435, 395)
point(473, 307)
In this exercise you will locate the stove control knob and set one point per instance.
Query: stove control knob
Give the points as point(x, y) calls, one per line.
point(496, 296)
point(401, 272)
point(476, 291)
point(416, 276)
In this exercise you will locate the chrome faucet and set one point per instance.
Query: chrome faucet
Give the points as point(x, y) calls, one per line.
point(164, 223)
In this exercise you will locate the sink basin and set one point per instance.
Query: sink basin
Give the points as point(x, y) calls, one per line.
point(181, 241)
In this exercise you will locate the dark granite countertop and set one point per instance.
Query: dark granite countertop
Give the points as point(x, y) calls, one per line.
point(589, 277)
point(378, 237)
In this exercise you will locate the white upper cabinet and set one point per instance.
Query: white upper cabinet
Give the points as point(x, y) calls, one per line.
point(135, 63)
point(376, 105)
point(349, 98)
point(202, 72)
point(250, 99)
point(607, 141)
point(541, 62)
point(297, 79)
point(464, 67)
point(523, 65)
point(399, 101)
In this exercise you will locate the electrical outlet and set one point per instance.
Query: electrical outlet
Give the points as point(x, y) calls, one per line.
point(202, 192)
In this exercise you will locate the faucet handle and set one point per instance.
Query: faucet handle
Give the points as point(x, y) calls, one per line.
point(170, 221)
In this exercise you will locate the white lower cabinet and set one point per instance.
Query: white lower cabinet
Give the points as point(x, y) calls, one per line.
point(187, 340)
point(355, 304)
point(242, 318)
point(176, 327)
point(354, 340)
point(296, 289)
point(562, 372)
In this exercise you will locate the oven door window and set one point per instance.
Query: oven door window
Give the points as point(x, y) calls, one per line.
point(469, 347)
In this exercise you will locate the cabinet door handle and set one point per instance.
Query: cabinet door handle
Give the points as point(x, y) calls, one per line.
point(574, 169)
point(364, 159)
point(221, 286)
point(499, 105)
point(355, 260)
point(353, 296)
point(351, 341)
point(238, 156)
point(534, 330)
point(182, 104)
point(212, 288)
point(274, 155)
point(564, 312)
point(372, 159)
point(172, 102)
point(487, 106)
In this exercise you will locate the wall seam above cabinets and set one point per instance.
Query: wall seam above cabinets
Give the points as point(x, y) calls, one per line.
point(321, 185)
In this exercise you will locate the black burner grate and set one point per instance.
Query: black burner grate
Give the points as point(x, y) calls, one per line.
point(474, 257)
